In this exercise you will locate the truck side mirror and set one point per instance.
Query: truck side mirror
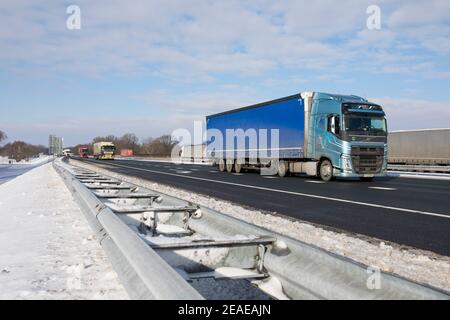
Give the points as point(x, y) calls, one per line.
point(333, 124)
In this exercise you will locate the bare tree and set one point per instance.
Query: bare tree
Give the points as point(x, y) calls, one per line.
point(129, 141)
point(159, 147)
point(19, 150)
point(3, 136)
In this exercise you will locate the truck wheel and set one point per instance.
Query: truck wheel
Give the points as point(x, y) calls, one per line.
point(326, 170)
point(237, 166)
point(230, 165)
point(221, 165)
point(282, 168)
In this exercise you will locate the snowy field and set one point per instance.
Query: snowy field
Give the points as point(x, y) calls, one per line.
point(10, 171)
point(33, 161)
point(421, 266)
point(47, 250)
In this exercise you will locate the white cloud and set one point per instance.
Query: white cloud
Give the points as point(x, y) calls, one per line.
point(420, 13)
point(203, 39)
point(197, 104)
point(69, 128)
point(403, 113)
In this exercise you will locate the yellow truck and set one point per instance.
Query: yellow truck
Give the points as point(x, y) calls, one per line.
point(104, 150)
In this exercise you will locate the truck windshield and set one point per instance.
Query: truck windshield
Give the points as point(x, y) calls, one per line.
point(355, 126)
point(369, 125)
point(108, 148)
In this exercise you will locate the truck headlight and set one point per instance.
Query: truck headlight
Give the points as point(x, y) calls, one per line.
point(346, 162)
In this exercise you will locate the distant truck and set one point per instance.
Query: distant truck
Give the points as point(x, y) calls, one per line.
point(420, 147)
point(320, 134)
point(104, 150)
point(67, 153)
point(83, 152)
point(193, 153)
point(126, 152)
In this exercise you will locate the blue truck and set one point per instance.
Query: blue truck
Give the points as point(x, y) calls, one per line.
point(319, 134)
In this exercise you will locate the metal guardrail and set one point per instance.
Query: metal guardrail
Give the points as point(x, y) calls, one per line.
point(419, 168)
point(144, 274)
point(304, 271)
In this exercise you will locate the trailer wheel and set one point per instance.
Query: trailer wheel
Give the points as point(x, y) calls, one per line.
point(326, 170)
point(237, 166)
point(230, 165)
point(221, 165)
point(282, 168)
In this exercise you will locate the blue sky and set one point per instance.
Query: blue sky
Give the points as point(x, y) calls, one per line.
point(150, 67)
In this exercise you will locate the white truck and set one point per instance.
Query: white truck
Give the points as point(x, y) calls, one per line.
point(193, 153)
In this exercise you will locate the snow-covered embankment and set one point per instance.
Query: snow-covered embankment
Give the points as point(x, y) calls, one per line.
point(47, 250)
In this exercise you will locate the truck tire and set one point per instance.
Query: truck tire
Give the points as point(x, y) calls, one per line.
point(282, 168)
point(237, 166)
point(326, 170)
point(230, 165)
point(221, 165)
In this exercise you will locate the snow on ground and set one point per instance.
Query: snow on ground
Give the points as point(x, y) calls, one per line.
point(47, 249)
point(15, 169)
point(32, 161)
point(421, 266)
point(8, 172)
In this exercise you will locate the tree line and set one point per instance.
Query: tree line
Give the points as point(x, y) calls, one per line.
point(157, 147)
point(19, 150)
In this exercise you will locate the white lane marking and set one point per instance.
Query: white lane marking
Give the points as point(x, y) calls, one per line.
point(314, 181)
point(383, 188)
point(213, 171)
point(269, 177)
point(419, 175)
point(237, 174)
point(292, 192)
point(184, 172)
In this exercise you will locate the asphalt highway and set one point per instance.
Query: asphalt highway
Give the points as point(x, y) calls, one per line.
point(407, 211)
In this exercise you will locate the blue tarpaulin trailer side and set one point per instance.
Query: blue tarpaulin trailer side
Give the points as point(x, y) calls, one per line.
point(286, 115)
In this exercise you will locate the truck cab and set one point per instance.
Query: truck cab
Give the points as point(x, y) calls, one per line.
point(83, 152)
point(104, 150)
point(348, 137)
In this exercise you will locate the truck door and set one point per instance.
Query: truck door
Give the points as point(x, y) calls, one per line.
point(320, 135)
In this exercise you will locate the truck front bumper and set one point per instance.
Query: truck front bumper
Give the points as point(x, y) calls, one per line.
point(348, 174)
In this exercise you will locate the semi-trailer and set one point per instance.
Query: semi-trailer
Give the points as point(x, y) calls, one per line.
point(104, 150)
point(320, 134)
point(193, 152)
point(420, 147)
point(126, 152)
point(83, 152)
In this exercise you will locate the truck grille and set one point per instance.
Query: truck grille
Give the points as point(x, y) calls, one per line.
point(367, 160)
